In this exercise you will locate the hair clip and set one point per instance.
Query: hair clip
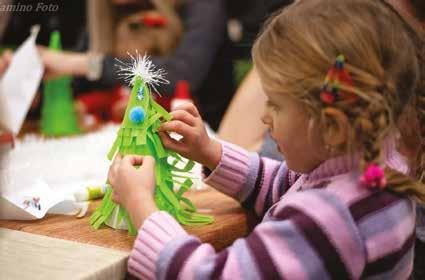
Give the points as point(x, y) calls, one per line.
point(336, 77)
point(373, 177)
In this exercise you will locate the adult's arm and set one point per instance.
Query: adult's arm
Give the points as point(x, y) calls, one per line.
point(242, 123)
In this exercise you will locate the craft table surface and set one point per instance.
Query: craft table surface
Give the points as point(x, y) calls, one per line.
point(30, 256)
point(231, 222)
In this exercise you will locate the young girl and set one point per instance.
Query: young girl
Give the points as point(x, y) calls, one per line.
point(340, 206)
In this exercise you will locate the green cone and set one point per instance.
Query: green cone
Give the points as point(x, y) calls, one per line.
point(58, 117)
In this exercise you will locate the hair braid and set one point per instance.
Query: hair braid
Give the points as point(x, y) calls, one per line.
point(293, 58)
point(370, 130)
point(420, 112)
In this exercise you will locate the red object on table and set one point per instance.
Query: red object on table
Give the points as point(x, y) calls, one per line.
point(101, 105)
point(182, 90)
point(181, 94)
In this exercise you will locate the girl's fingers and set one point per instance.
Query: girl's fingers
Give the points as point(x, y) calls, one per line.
point(148, 161)
point(178, 127)
point(117, 158)
point(190, 108)
point(115, 162)
point(113, 170)
point(111, 177)
point(171, 143)
point(132, 160)
point(115, 197)
point(184, 116)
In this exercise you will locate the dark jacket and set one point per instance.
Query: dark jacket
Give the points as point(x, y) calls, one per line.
point(203, 58)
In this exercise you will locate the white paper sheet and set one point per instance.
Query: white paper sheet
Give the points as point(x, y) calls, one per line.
point(51, 170)
point(33, 203)
point(19, 84)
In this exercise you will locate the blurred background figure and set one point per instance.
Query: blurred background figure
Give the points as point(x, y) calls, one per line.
point(248, 102)
point(205, 43)
point(187, 38)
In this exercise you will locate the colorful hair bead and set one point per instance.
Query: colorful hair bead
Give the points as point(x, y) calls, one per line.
point(336, 77)
point(327, 97)
point(137, 115)
point(374, 177)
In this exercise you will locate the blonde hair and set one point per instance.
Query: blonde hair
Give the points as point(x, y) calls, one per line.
point(298, 46)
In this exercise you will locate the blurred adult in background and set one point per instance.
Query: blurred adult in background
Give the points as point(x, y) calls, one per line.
point(15, 23)
point(202, 56)
point(241, 124)
point(68, 17)
point(17, 18)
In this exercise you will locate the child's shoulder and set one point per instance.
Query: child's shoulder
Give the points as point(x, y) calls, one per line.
point(365, 225)
point(343, 198)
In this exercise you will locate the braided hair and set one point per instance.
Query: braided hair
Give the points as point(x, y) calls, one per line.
point(297, 47)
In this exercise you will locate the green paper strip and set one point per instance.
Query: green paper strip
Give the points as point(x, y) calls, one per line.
point(161, 111)
point(186, 168)
point(152, 120)
point(114, 148)
point(189, 203)
point(158, 146)
point(141, 139)
point(184, 187)
point(131, 229)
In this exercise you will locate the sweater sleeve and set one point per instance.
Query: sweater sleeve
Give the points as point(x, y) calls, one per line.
point(257, 182)
point(299, 243)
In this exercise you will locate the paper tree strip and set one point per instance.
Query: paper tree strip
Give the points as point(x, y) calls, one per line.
point(138, 135)
point(58, 117)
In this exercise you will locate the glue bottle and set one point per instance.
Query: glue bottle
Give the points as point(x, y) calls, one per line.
point(181, 95)
point(90, 193)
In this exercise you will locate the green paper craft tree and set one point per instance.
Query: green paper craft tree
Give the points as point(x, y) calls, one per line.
point(138, 135)
point(58, 117)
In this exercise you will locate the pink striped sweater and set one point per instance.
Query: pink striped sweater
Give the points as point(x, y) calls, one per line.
point(321, 225)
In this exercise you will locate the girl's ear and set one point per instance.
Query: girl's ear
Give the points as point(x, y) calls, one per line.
point(336, 127)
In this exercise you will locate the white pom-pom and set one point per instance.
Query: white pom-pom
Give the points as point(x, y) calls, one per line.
point(141, 66)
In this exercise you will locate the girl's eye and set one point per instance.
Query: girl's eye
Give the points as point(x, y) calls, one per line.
point(272, 106)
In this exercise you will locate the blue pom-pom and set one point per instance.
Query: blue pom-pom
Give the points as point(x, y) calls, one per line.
point(137, 115)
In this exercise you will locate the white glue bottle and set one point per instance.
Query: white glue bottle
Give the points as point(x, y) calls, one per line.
point(181, 95)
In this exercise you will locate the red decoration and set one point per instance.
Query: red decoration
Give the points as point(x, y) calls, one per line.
point(154, 20)
point(327, 97)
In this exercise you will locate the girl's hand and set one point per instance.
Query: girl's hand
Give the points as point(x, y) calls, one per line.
point(134, 188)
point(195, 144)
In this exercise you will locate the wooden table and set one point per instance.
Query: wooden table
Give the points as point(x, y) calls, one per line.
point(58, 246)
point(231, 222)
